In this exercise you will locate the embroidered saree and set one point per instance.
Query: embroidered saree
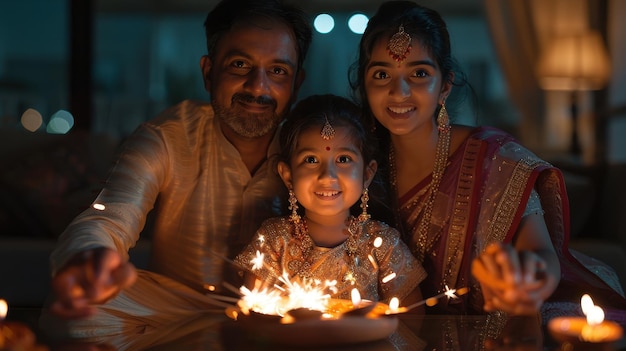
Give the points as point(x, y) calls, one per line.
point(482, 198)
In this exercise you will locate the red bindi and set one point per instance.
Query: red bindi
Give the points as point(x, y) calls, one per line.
point(327, 148)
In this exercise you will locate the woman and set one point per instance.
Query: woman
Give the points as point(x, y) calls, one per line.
point(477, 209)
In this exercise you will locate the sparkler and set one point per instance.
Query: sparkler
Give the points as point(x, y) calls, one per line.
point(431, 301)
point(315, 295)
point(293, 294)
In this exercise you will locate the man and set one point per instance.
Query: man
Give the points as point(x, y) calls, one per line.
point(207, 169)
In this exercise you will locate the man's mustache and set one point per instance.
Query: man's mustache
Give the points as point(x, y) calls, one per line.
point(249, 99)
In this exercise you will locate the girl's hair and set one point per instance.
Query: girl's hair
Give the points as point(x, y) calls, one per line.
point(422, 24)
point(313, 112)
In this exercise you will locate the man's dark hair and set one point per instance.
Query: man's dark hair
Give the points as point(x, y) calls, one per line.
point(229, 12)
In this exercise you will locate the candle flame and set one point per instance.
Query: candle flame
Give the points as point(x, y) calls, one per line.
point(594, 314)
point(4, 307)
point(586, 303)
point(394, 303)
point(356, 297)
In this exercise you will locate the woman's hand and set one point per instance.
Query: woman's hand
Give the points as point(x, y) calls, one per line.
point(511, 281)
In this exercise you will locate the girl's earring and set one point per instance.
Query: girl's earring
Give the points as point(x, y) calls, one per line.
point(443, 121)
point(293, 206)
point(364, 216)
point(298, 223)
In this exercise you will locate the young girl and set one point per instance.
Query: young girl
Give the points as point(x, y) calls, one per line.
point(327, 164)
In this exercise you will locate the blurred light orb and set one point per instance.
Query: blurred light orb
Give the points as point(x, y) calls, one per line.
point(60, 123)
point(31, 120)
point(324, 23)
point(357, 23)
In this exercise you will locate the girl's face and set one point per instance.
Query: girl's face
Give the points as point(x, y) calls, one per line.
point(404, 96)
point(327, 176)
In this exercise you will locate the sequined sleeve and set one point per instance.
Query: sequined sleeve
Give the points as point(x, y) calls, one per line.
point(396, 262)
point(262, 256)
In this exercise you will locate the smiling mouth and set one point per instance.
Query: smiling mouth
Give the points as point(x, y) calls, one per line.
point(327, 193)
point(254, 107)
point(400, 110)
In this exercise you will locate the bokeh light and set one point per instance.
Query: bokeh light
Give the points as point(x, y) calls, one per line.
point(324, 23)
point(357, 23)
point(60, 123)
point(31, 120)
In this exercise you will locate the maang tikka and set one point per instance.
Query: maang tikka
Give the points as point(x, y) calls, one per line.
point(328, 132)
point(399, 45)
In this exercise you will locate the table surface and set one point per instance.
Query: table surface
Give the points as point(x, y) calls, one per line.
point(414, 332)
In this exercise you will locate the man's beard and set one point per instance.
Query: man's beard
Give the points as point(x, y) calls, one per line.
point(246, 124)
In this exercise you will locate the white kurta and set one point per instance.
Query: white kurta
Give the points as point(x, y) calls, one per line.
point(208, 204)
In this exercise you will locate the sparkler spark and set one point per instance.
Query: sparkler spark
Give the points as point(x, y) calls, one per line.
point(257, 261)
point(431, 301)
point(389, 277)
point(290, 294)
point(306, 293)
point(450, 293)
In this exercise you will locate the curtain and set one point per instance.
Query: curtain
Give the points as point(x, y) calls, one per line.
point(520, 29)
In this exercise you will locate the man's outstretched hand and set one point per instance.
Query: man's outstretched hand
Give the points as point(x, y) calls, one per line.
point(92, 277)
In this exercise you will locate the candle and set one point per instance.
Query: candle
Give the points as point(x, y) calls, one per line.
point(14, 335)
point(355, 297)
point(592, 331)
point(394, 305)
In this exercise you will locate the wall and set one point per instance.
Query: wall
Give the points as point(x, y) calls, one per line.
point(144, 62)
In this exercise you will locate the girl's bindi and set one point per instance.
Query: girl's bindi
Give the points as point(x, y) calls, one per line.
point(327, 148)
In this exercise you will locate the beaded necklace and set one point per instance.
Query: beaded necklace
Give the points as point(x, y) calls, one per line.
point(441, 157)
point(354, 226)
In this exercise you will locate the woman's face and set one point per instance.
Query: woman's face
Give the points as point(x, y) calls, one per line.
point(404, 96)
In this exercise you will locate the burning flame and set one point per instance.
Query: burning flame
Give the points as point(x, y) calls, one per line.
point(594, 314)
point(313, 294)
point(4, 308)
point(306, 293)
point(356, 297)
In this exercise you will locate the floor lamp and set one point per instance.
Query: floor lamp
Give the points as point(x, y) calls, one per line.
point(574, 63)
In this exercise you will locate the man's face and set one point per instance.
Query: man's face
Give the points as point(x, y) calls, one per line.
point(253, 77)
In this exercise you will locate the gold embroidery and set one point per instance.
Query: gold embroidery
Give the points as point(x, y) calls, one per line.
point(459, 221)
point(510, 201)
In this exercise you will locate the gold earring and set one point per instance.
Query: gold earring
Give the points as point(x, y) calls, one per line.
point(293, 206)
point(299, 225)
point(364, 216)
point(443, 122)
